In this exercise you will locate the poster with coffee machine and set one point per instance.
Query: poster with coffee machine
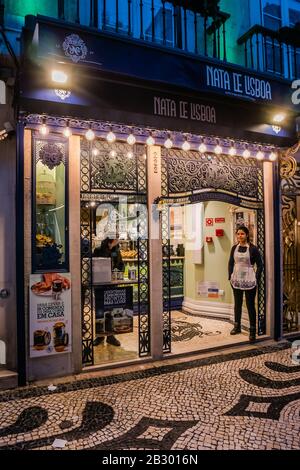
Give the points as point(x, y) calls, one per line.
point(50, 314)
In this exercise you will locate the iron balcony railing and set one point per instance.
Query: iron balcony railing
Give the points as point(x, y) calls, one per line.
point(276, 52)
point(193, 26)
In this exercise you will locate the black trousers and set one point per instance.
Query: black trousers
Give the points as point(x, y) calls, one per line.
point(250, 302)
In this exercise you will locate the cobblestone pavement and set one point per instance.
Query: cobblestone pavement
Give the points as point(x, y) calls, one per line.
point(246, 400)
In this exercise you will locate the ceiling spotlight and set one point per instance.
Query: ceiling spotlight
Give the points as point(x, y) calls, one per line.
point(168, 142)
point(150, 140)
point(90, 134)
point(273, 156)
point(186, 146)
point(279, 117)
point(246, 153)
point(111, 137)
point(131, 140)
point(232, 150)
point(129, 155)
point(260, 155)
point(218, 149)
point(44, 130)
point(58, 76)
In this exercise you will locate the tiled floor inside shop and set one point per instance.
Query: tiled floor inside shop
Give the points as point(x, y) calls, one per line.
point(189, 333)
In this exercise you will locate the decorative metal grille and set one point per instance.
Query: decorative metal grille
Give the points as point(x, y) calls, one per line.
point(166, 261)
point(105, 177)
point(290, 203)
point(112, 167)
point(232, 174)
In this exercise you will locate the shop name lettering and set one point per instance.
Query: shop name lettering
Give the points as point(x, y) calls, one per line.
point(184, 110)
point(50, 310)
point(238, 83)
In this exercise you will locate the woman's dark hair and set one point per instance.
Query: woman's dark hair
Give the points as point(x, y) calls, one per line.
point(245, 230)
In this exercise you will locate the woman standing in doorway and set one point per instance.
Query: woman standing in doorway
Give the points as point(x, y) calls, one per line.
point(243, 278)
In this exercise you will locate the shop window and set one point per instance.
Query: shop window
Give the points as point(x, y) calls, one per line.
point(49, 237)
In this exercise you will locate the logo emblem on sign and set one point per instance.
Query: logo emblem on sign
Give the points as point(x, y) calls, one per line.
point(75, 48)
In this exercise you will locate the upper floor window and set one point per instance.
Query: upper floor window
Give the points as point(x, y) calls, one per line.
point(272, 14)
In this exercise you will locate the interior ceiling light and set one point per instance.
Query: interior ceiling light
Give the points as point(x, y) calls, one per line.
point(129, 155)
point(131, 140)
point(113, 153)
point(150, 140)
point(279, 117)
point(90, 134)
point(58, 76)
point(111, 137)
point(95, 152)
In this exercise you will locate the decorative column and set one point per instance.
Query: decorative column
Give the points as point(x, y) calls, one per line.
point(155, 252)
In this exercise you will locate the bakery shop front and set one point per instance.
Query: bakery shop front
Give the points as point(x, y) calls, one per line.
point(134, 176)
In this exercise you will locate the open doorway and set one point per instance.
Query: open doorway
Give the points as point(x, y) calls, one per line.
point(201, 297)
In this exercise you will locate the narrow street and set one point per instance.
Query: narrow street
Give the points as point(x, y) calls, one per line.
point(246, 400)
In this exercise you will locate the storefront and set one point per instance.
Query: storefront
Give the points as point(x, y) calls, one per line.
point(163, 152)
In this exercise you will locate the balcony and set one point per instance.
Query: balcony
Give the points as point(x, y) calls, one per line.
point(275, 52)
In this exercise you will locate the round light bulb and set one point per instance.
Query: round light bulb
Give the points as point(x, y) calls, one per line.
point(44, 130)
point(232, 151)
point(92, 204)
point(218, 149)
point(110, 137)
point(129, 155)
point(113, 153)
point(273, 156)
point(150, 140)
point(260, 155)
point(67, 132)
point(246, 153)
point(90, 135)
point(168, 143)
point(186, 146)
point(131, 140)
point(202, 148)
point(95, 152)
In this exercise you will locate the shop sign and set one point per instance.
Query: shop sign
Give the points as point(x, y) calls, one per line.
point(238, 84)
point(114, 309)
point(50, 314)
point(167, 107)
point(220, 220)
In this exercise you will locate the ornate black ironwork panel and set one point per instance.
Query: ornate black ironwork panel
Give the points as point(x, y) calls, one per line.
point(190, 172)
point(290, 206)
point(106, 177)
point(166, 262)
point(112, 167)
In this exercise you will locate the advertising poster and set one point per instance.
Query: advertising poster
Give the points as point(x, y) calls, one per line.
point(50, 314)
point(114, 309)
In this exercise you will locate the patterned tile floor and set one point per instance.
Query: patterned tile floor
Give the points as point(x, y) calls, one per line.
point(245, 400)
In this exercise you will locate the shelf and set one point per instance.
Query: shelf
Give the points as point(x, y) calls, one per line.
point(128, 260)
point(114, 283)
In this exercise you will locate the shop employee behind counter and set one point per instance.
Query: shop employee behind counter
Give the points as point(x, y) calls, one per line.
point(110, 248)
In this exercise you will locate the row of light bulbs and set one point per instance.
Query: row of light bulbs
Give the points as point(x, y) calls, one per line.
point(186, 146)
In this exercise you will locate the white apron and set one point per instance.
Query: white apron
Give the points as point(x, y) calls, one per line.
point(243, 276)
